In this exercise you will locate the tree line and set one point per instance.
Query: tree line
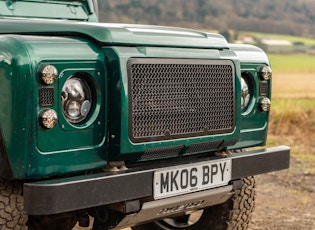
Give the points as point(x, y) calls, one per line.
point(294, 17)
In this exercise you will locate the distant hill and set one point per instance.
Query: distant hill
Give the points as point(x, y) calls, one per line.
point(294, 17)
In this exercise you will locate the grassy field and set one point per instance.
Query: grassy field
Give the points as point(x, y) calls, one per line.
point(296, 62)
point(293, 39)
point(293, 76)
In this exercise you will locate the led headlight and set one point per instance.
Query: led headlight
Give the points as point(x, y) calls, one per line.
point(49, 74)
point(76, 99)
point(265, 72)
point(245, 93)
point(264, 104)
point(48, 118)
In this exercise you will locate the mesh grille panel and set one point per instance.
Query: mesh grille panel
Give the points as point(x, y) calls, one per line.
point(158, 153)
point(263, 88)
point(203, 147)
point(46, 97)
point(173, 98)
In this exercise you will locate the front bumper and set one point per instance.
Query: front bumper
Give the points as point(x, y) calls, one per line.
point(82, 192)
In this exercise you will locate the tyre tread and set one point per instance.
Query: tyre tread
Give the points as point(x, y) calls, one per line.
point(12, 216)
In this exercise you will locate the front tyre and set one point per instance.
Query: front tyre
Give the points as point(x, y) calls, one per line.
point(12, 215)
point(233, 214)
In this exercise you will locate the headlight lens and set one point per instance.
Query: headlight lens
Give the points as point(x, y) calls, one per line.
point(76, 99)
point(245, 93)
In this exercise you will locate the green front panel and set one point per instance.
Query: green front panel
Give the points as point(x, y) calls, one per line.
point(34, 151)
point(121, 146)
point(70, 147)
point(67, 136)
point(254, 123)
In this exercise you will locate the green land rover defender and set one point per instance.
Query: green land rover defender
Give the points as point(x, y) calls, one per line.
point(117, 125)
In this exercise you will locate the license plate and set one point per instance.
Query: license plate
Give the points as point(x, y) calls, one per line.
point(186, 179)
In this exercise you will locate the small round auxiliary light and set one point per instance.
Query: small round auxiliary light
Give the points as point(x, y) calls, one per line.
point(48, 118)
point(49, 74)
point(265, 72)
point(264, 104)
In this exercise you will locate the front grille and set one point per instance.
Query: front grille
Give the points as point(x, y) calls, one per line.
point(159, 153)
point(174, 98)
point(203, 147)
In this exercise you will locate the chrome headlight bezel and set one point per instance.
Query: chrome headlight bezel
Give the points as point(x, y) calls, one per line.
point(246, 90)
point(76, 98)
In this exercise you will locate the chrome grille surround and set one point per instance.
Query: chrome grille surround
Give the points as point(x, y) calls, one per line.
point(176, 98)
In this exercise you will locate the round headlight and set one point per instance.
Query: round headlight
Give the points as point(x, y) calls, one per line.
point(264, 104)
point(48, 118)
point(76, 99)
point(245, 93)
point(49, 74)
point(265, 72)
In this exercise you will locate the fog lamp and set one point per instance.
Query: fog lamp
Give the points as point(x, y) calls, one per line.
point(48, 118)
point(265, 72)
point(76, 99)
point(49, 74)
point(264, 104)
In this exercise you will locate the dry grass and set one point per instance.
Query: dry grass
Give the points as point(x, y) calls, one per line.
point(293, 117)
point(293, 124)
point(293, 109)
point(293, 84)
